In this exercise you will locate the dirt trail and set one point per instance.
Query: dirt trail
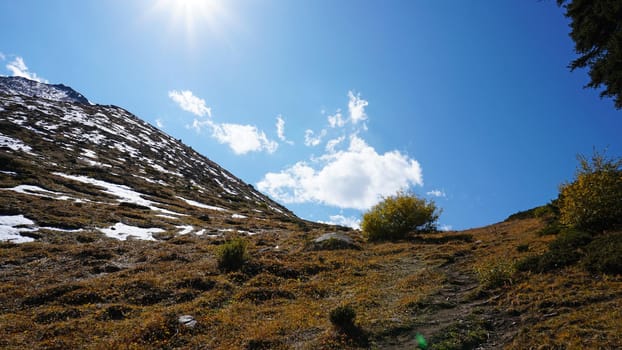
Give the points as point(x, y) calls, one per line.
point(458, 305)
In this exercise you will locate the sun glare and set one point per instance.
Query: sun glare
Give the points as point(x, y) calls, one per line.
point(193, 16)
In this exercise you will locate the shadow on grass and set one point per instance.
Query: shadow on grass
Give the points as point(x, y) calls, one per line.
point(463, 237)
point(352, 335)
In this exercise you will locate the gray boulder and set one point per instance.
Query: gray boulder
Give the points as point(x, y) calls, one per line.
point(333, 241)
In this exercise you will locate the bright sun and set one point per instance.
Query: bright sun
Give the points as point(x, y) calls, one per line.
point(194, 16)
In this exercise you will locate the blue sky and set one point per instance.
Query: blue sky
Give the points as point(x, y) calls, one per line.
point(328, 105)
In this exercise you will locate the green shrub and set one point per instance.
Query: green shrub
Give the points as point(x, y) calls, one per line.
point(551, 229)
point(398, 215)
point(549, 261)
point(567, 249)
point(521, 215)
point(570, 240)
point(232, 255)
point(604, 254)
point(547, 211)
point(593, 202)
point(557, 259)
point(521, 248)
point(342, 317)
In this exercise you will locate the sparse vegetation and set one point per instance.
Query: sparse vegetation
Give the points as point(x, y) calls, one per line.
point(398, 215)
point(283, 298)
point(462, 335)
point(495, 275)
point(232, 255)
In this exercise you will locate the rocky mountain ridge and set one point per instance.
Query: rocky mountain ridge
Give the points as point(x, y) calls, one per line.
point(26, 87)
point(99, 167)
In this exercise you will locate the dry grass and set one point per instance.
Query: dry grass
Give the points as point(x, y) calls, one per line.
point(86, 291)
point(457, 289)
point(569, 309)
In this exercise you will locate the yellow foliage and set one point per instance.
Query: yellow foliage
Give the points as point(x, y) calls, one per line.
point(398, 215)
point(593, 201)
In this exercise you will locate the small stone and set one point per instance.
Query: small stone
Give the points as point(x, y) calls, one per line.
point(187, 321)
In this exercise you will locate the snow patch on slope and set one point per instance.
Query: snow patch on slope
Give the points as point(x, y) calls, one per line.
point(201, 205)
point(14, 144)
point(12, 226)
point(40, 192)
point(185, 229)
point(122, 192)
point(122, 232)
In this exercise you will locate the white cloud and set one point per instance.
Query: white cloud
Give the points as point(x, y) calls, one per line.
point(341, 220)
point(436, 193)
point(190, 103)
point(280, 130)
point(240, 138)
point(354, 178)
point(336, 120)
point(19, 69)
point(159, 123)
point(332, 144)
point(198, 125)
point(311, 140)
point(356, 107)
point(2, 56)
point(243, 138)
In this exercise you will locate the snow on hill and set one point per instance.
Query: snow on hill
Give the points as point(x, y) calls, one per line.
point(66, 164)
point(31, 88)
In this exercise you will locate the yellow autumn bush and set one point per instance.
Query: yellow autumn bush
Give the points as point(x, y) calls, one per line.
point(398, 215)
point(593, 201)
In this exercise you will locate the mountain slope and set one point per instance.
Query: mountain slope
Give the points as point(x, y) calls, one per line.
point(26, 87)
point(100, 167)
point(79, 181)
point(112, 294)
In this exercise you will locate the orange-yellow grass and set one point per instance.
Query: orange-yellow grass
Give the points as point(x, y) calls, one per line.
point(284, 297)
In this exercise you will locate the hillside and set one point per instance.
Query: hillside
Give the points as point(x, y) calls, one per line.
point(130, 294)
point(69, 165)
point(111, 234)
